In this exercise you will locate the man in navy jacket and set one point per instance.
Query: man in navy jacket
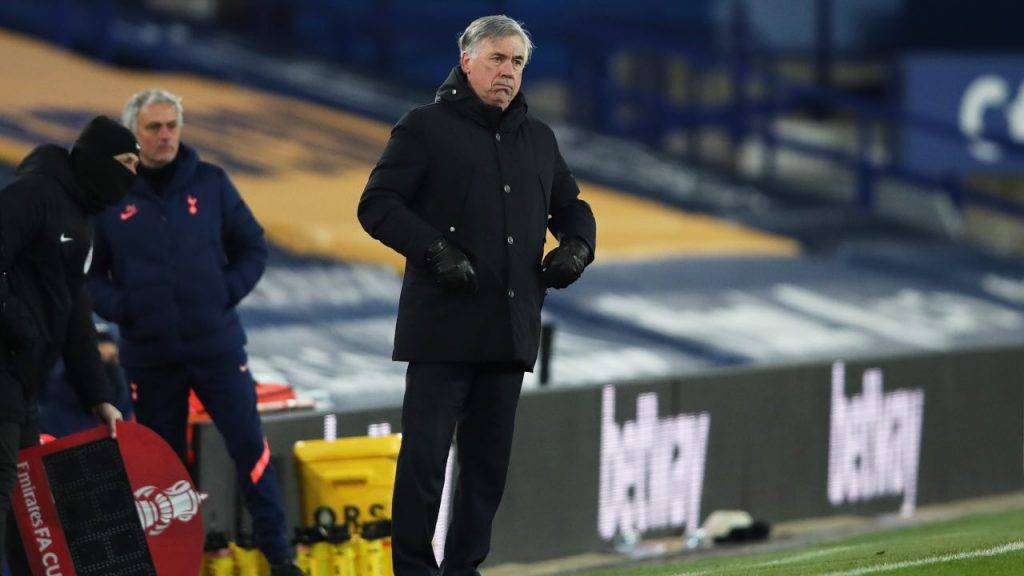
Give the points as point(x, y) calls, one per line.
point(172, 261)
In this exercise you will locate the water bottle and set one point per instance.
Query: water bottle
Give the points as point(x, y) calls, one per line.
point(217, 560)
point(303, 544)
point(343, 552)
point(320, 552)
point(249, 561)
point(370, 548)
point(385, 526)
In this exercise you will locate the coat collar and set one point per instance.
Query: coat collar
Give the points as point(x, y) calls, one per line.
point(187, 161)
point(457, 93)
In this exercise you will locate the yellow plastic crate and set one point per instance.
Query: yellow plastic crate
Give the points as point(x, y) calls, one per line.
point(354, 477)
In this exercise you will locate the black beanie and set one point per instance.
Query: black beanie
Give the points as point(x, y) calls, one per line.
point(105, 137)
point(102, 181)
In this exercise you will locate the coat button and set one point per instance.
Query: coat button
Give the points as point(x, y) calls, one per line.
point(497, 137)
point(507, 188)
point(511, 293)
point(511, 240)
point(454, 91)
point(451, 229)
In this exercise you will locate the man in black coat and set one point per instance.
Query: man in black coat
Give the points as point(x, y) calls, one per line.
point(45, 313)
point(466, 189)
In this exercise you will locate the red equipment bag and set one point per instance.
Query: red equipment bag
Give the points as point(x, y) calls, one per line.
point(90, 505)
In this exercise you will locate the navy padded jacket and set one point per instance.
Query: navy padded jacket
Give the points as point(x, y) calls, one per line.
point(170, 268)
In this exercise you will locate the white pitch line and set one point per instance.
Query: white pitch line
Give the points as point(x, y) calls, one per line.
point(801, 557)
point(772, 563)
point(997, 551)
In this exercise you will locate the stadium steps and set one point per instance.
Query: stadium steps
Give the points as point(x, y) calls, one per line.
point(695, 271)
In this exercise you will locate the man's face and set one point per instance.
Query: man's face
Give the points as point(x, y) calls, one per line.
point(159, 133)
point(495, 70)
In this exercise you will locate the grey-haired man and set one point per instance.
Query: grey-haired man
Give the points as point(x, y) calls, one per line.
point(173, 259)
point(466, 189)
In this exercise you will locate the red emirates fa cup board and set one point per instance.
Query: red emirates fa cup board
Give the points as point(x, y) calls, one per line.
point(91, 505)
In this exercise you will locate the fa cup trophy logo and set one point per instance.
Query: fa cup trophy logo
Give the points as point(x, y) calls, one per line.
point(158, 509)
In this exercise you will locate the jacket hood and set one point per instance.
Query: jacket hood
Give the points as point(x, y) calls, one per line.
point(52, 161)
point(457, 93)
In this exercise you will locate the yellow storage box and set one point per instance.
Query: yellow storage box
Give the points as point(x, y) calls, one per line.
point(354, 477)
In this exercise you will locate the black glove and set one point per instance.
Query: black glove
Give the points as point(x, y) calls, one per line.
point(451, 267)
point(564, 265)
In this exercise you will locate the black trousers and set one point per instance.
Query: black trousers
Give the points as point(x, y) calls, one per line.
point(14, 436)
point(477, 403)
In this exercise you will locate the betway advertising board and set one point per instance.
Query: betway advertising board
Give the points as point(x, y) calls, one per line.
point(655, 458)
point(864, 437)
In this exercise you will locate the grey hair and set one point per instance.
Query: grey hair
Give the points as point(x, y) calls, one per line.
point(130, 113)
point(498, 26)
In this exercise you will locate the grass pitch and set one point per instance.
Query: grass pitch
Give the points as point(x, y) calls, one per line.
point(991, 544)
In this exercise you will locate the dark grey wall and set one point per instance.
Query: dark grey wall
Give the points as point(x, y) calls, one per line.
point(767, 450)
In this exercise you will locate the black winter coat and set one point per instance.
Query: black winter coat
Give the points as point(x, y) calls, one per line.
point(45, 313)
point(491, 182)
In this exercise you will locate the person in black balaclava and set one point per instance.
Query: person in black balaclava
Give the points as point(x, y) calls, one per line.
point(103, 173)
point(45, 313)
